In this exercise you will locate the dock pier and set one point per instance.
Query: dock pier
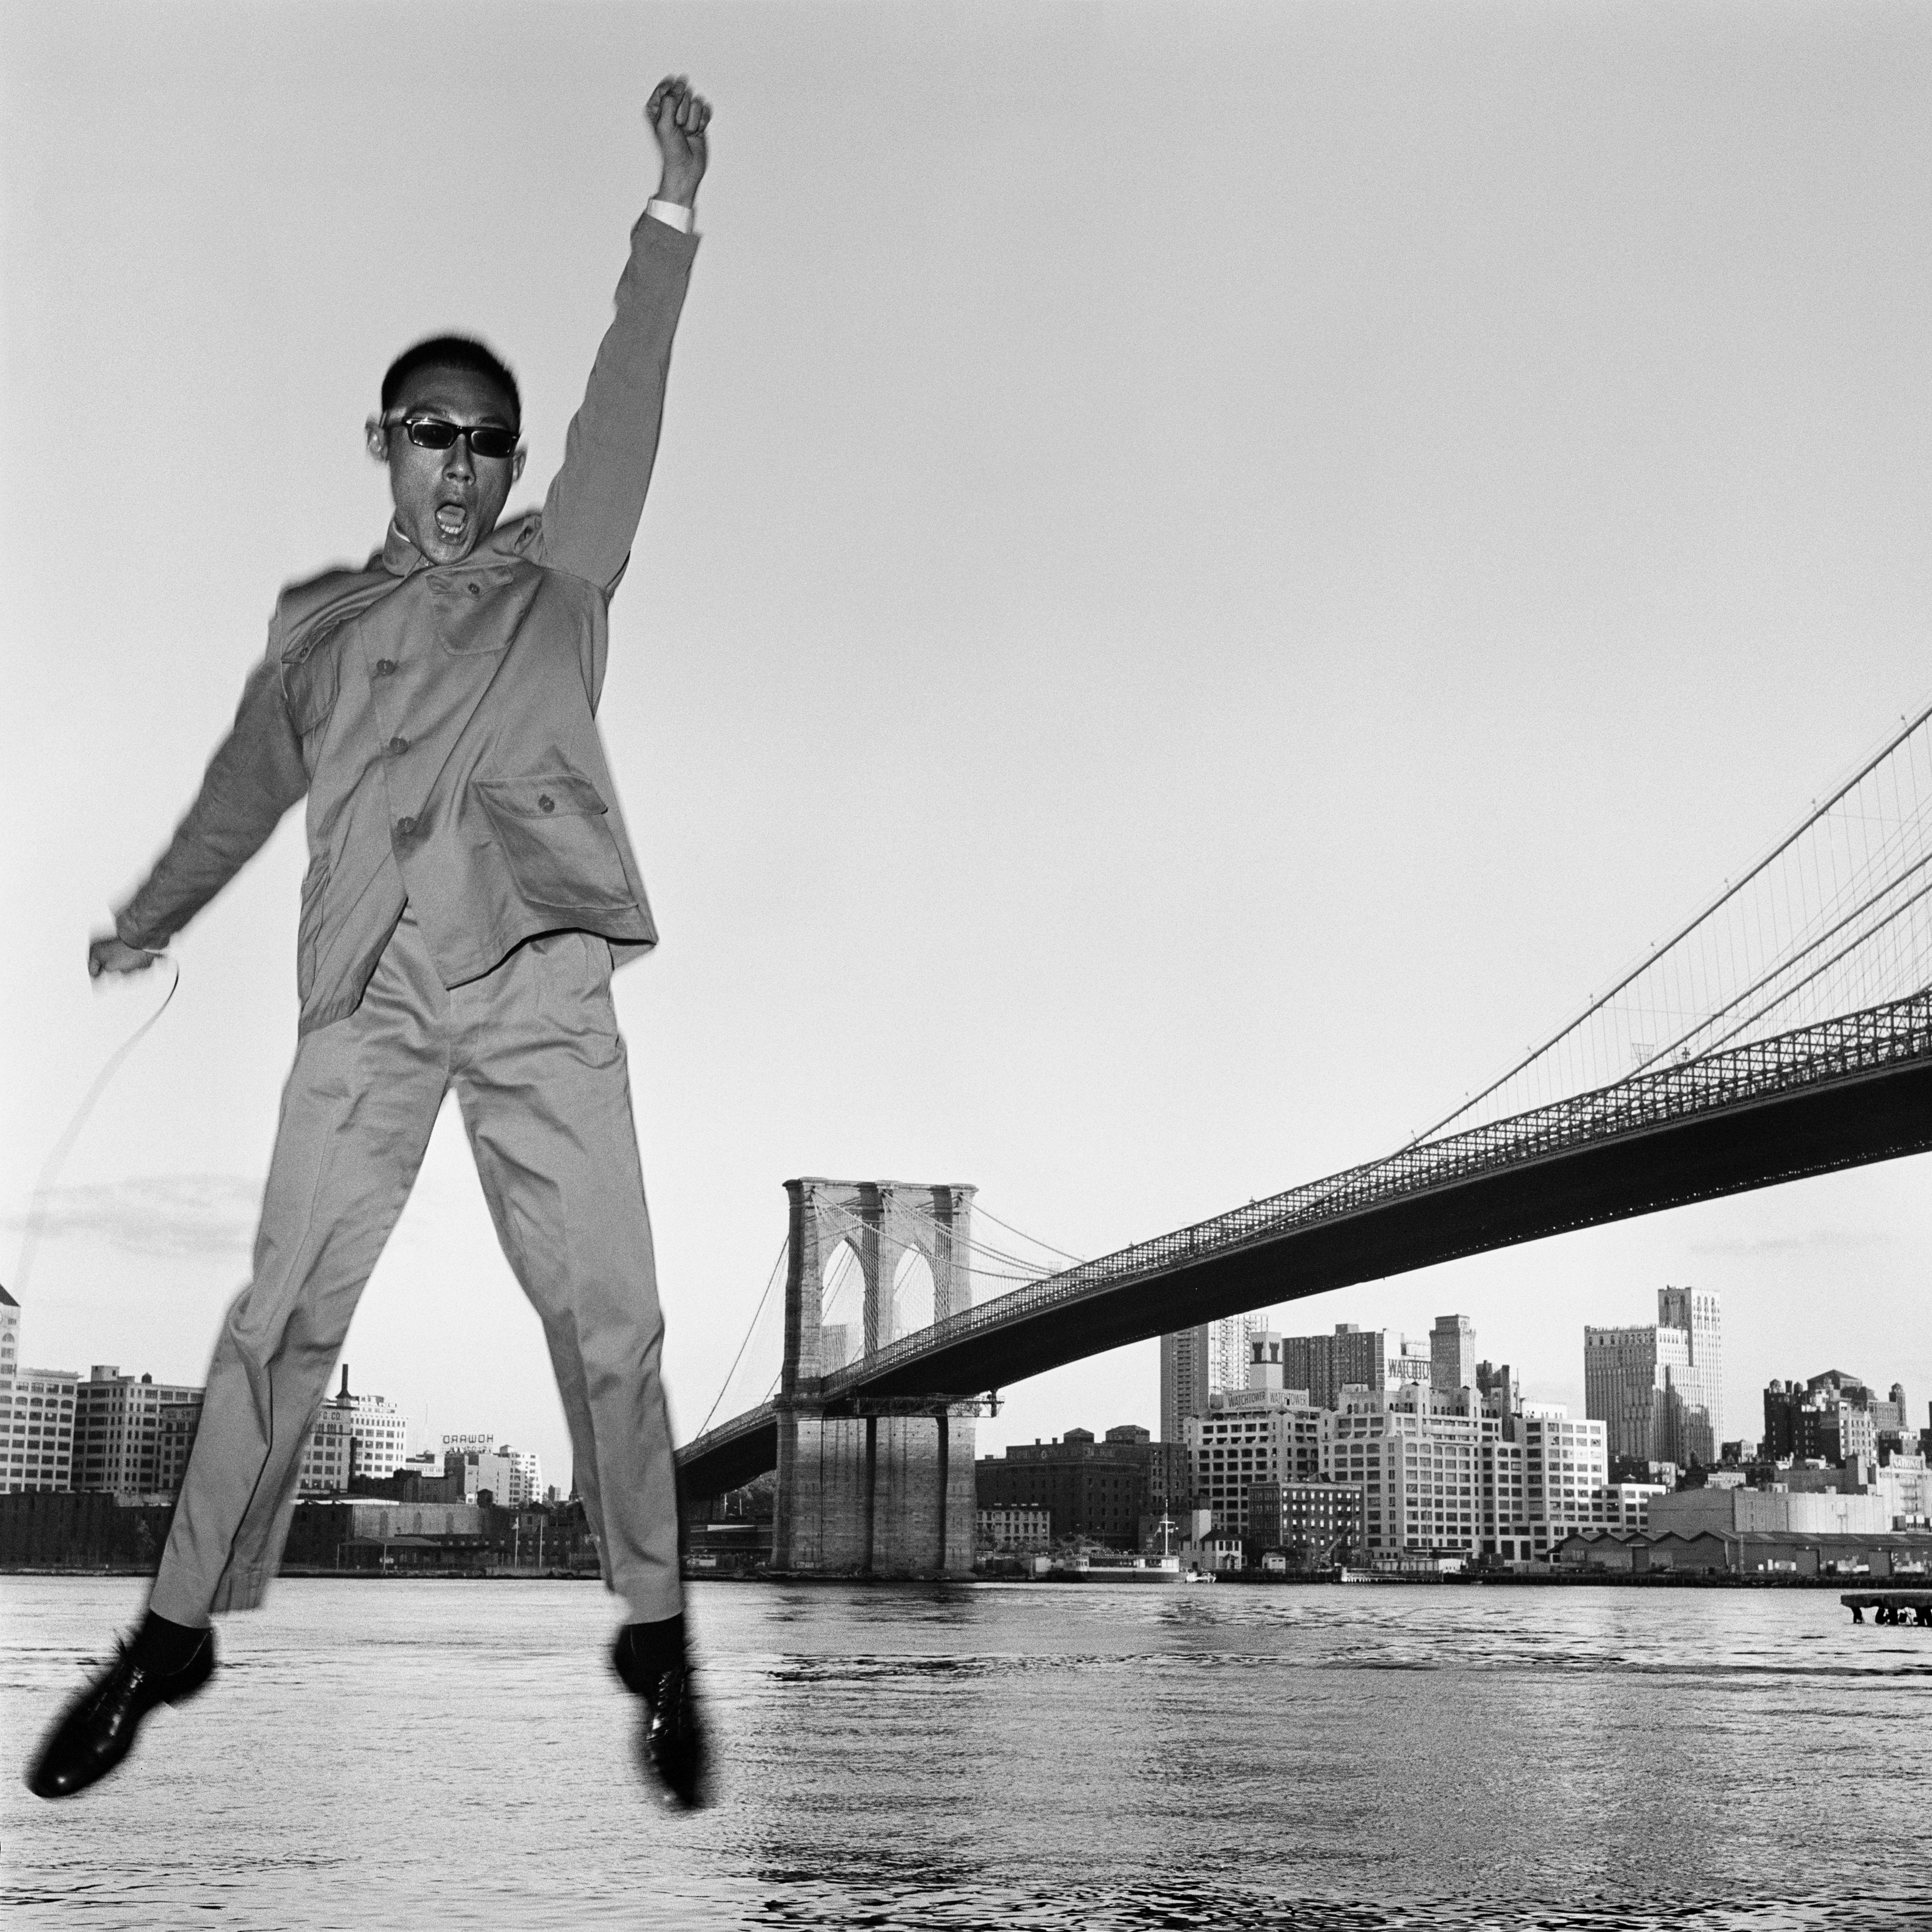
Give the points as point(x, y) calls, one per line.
point(1889, 1607)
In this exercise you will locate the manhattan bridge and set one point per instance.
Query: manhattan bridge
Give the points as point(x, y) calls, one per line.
point(1785, 1030)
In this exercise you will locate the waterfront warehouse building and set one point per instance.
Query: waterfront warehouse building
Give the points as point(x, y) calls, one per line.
point(1450, 1474)
point(1270, 1436)
point(1013, 1532)
point(1319, 1522)
point(131, 1434)
point(513, 1477)
point(37, 1406)
point(327, 1455)
point(1097, 1491)
point(1903, 1555)
point(37, 1412)
point(1421, 1460)
point(377, 1431)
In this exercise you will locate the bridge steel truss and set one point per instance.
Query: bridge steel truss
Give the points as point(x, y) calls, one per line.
point(1840, 1093)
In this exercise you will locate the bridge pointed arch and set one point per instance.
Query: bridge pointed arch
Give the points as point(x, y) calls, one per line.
point(913, 1291)
point(922, 1227)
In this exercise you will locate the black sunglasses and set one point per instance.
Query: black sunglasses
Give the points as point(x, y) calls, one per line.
point(433, 432)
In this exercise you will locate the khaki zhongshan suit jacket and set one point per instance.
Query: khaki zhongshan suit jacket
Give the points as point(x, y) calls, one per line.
point(441, 719)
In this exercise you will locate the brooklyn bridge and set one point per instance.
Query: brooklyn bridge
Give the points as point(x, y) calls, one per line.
point(1784, 1031)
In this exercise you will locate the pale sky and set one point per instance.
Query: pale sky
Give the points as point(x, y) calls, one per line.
point(1212, 571)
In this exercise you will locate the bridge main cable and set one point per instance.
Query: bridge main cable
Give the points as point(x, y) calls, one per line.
point(1730, 891)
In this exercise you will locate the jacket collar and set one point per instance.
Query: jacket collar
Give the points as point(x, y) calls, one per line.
point(400, 557)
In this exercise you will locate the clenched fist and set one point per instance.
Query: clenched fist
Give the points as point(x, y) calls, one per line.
point(678, 119)
point(106, 954)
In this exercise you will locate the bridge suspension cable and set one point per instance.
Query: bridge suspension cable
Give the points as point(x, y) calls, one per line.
point(971, 1260)
point(1836, 916)
point(976, 1253)
point(1812, 971)
point(987, 1213)
point(750, 1328)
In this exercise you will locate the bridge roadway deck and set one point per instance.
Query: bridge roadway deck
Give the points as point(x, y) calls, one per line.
point(1842, 1094)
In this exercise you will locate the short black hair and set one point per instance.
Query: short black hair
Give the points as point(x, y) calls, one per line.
point(451, 352)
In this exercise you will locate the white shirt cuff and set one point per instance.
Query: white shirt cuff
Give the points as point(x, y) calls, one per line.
point(670, 214)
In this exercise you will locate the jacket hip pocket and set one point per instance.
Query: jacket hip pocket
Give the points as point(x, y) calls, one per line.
point(551, 830)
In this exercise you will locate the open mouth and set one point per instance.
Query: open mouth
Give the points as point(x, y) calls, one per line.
point(451, 520)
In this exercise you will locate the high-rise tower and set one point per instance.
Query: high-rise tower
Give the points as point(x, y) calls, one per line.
point(1198, 1364)
point(1452, 1353)
point(1658, 1389)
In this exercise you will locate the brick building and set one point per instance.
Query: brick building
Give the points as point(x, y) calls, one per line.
point(1098, 1490)
point(1321, 1521)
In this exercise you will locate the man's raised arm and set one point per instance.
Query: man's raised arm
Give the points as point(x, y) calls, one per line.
point(590, 515)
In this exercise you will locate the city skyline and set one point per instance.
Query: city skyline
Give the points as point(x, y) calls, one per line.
point(1215, 1357)
point(1115, 713)
point(129, 1433)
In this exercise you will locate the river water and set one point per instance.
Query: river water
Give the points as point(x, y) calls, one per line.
point(425, 1754)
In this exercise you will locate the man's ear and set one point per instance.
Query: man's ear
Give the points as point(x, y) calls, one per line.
point(377, 438)
point(516, 466)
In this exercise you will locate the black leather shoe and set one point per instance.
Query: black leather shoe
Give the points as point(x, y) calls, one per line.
point(97, 1729)
point(670, 1739)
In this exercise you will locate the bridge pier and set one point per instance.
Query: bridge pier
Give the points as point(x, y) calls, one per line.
point(888, 1494)
point(881, 1487)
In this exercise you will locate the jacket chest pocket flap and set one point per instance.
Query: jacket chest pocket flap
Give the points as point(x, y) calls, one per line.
point(481, 611)
point(551, 829)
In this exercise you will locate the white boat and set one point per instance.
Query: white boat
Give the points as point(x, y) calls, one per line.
point(1091, 1569)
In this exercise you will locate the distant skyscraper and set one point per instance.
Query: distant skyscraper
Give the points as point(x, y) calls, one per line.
point(1452, 1353)
point(1198, 1364)
point(1353, 1357)
point(1230, 1349)
point(1695, 1312)
point(1657, 1389)
point(1183, 1381)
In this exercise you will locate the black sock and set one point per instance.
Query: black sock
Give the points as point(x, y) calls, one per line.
point(162, 1647)
point(653, 1647)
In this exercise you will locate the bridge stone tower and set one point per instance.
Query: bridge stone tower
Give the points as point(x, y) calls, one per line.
point(872, 1486)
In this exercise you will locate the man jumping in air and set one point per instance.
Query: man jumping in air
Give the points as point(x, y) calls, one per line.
point(469, 885)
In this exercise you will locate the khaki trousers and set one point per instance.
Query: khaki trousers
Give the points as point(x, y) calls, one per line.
point(533, 1051)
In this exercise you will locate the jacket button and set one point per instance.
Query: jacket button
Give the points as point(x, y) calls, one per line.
point(385, 666)
point(546, 803)
point(399, 746)
point(475, 589)
point(405, 826)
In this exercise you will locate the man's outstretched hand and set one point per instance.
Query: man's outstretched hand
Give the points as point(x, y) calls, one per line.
point(107, 954)
point(679, 117)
